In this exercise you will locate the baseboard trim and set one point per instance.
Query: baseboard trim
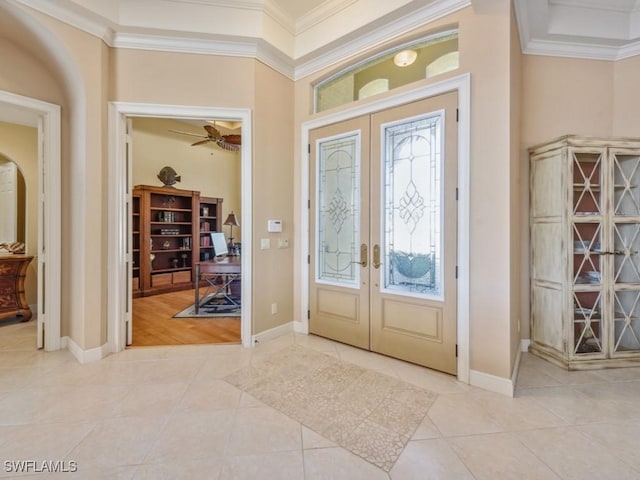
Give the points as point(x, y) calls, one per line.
point(84, 356)
point(272, 333)
point(524, 344)
point(516, 370)
point(486, 381)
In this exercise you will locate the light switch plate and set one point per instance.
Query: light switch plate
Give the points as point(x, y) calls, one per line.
point(265, 243)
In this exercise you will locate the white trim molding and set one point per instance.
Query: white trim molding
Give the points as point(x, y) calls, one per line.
point(486, 381)
point(117, 232)
point(461, 84)
point(272, 333)
point(85, 356)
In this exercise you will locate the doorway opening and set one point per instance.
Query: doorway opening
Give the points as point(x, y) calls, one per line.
point(43, 233)
point(166, 254)
point(185, 189)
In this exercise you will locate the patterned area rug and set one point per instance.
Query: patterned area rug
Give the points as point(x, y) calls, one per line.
point(366, 412)
point(212, 306)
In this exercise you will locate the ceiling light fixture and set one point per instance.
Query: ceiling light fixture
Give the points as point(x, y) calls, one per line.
point(405, 58)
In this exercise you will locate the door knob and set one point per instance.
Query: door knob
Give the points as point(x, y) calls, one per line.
point(376, 256)
point(363, 256)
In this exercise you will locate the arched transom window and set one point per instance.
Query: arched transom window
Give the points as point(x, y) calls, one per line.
point(393, 68)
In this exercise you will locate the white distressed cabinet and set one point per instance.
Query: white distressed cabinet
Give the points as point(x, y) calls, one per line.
point(585, 243)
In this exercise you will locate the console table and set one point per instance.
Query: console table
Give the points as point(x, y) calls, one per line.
point(13, 269)
point(228, 269)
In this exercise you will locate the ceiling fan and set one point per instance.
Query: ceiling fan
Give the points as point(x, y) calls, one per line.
point(228, 142)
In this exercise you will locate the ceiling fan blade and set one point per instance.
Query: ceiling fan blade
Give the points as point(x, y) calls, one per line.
point(233, 139)
point(188, 133)
point(201, 142)
point(212, 131)
point(228, 146)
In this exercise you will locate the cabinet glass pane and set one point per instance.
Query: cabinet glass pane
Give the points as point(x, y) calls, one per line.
point(626, 178)
point(338, 210)
point(587, 322)
point(587, 253)
point(626, 326)
point(412, 206)
point(626, 243)
point(587, 183)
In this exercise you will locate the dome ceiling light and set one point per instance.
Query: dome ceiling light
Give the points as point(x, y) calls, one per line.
point(405, 58)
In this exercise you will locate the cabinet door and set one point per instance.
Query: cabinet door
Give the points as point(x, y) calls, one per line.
point(587, 332)
point(624, 333)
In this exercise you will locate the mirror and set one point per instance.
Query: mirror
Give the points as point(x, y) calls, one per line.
point(13, 201)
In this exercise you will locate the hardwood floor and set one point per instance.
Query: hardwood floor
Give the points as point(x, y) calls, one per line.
point(153, 323)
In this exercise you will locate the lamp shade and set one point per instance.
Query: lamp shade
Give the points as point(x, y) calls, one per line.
point(232, 220)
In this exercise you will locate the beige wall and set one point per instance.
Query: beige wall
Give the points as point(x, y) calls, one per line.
point(273, 183)
point(208, 169)
point(19, 144)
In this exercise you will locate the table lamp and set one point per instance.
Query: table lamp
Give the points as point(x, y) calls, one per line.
point(232, 221)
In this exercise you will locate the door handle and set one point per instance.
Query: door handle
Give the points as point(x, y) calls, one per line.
point(376, 256)
point(363, 256)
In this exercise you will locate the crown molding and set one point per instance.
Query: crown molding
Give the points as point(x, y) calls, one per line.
point(174, 43)
point(179, 42)
point(578, 50)
point(76, 16)
point(321, 13)
point(325, 57)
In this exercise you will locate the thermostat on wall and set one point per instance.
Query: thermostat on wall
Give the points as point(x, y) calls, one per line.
point(274, 226)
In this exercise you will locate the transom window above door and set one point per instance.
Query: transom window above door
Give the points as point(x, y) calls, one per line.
point(392, 68)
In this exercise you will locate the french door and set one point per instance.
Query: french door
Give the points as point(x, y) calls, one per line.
point(383, 238)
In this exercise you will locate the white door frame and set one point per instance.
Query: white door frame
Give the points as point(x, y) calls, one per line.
point(117, 191)
point(46, 117)
point(461, 84)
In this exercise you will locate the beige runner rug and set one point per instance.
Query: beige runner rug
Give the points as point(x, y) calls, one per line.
point(370, 414)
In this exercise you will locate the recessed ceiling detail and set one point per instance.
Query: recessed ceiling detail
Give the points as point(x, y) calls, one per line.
point(596, 29)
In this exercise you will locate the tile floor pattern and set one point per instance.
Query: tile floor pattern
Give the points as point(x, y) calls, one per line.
point(168, 413)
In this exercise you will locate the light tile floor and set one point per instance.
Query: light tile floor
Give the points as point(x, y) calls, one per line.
point(166, 413)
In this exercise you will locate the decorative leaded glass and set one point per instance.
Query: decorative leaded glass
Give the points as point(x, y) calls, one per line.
point(413, 156)
point(338, 209)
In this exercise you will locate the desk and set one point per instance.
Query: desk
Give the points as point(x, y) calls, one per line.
point(13, 269)
point(228, 269)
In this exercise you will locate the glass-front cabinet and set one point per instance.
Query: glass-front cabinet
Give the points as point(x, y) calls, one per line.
point(585, 239)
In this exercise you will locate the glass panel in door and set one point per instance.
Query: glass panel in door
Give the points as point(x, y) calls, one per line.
point(587, 183)
point(338, 207)
point(412, 207)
